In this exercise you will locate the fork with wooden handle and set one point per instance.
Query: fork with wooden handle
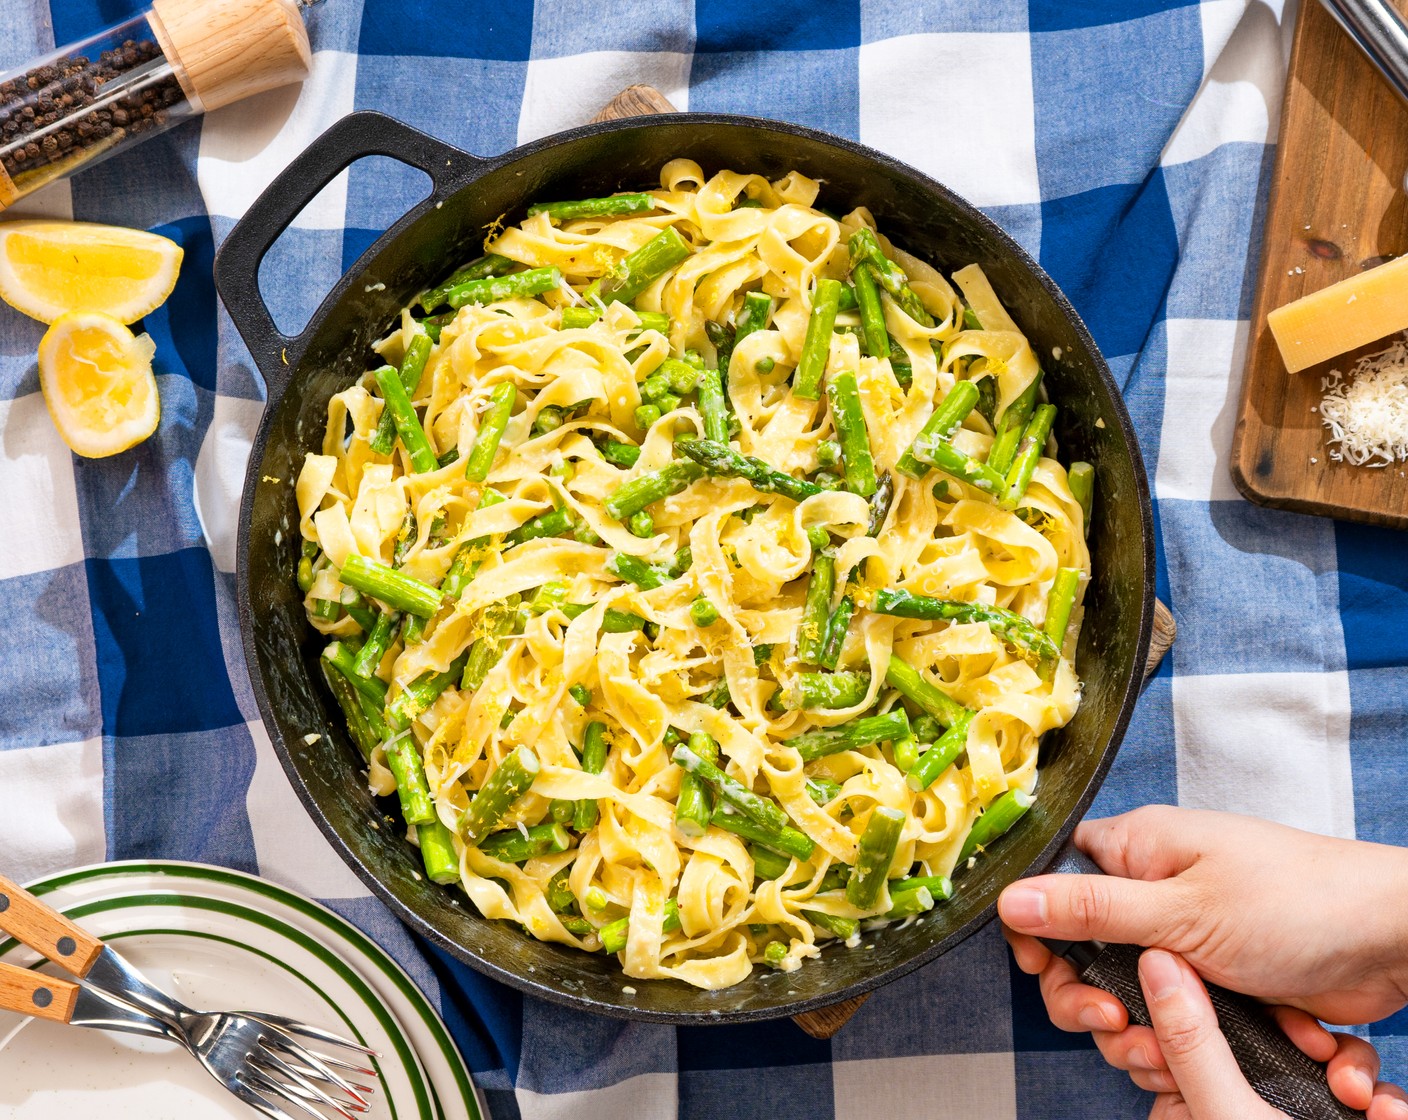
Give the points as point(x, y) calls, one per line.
point(258, 1057)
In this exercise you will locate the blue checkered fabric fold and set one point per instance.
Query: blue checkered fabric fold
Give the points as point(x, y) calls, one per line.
point(1126, 143)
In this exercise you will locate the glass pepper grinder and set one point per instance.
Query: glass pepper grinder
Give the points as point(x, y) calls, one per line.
point(83, 102)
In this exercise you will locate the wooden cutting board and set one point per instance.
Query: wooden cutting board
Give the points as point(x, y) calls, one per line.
point(1337, 207)
point(642, 100)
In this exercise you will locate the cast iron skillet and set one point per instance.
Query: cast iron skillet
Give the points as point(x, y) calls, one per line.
point(302, 372)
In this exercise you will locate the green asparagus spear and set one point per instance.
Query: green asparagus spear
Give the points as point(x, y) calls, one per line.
point(910, 903)
point(939, 886)
point(977, 474)
point(638, 270)
point(498, 793)
point(1029, 452)
point(811, 634)
point(587, 811)
point(403, 415)
point(788, 842)
point(1059, 603)
point(422, 692)
point(490, 265)
point(437, 851)
point(996, 820)
point(613, 935)
point(634, 496)
point(403, 760)
point(872, 313)
point(551, 524)
point(634, 570)
point(899, 674)
point(1081, 479)
point(757, 310)
point(579, 318)
point(841, 928)
point(713, 407)
point(945, 420)
point(837, 627)
point(906, 752)
point(823, 790)
point(939, 757)
point(865, 247)
point(621, 622)
point(1008, 625)
point(513, 846)
point(516, 285)
point(806, 381)
point(717, 458)
point(763, 811)
point(359, 727)
point(889, 726)
point(1010, 427)
point(405, 537)
point(549, 596)
point(830, 690)
point(595, 207)
point(695, 805)
point(847, 415)
point(620, 454)
point(485, 651)
point(412, 366)
point(970, 320)
point(491, 430)
point(874, 854)
point(722, 340)
point(880, 503)
point(768, 864)
point(374, 648)
point(339, 655)
point(395, 589)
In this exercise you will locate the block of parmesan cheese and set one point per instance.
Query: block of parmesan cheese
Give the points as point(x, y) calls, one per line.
point(1327, 323)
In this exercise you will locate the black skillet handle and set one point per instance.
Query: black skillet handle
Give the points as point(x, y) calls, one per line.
point(1274, 1066)
point(237, 263)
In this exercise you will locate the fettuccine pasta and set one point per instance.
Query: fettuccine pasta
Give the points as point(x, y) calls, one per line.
point(703, 579)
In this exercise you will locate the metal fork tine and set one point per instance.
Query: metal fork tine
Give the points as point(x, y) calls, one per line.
point(313, 1074)
point(312, 1063)
point(268, 1084)
point(257, 1102)
point(310, 1089)
point(293, 1026)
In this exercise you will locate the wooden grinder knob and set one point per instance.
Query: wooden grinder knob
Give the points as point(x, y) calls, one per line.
point(226, 50)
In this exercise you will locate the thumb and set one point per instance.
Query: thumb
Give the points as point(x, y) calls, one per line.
point(1197, 1053)
point(1082, 907)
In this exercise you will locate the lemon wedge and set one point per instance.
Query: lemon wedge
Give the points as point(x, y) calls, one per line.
point(47, 268)
point(97, 381)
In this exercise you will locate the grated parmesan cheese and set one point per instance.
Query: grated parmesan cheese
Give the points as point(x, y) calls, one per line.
point(1367, 410)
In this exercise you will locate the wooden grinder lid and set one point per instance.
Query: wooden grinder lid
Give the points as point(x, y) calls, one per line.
point(226, 50)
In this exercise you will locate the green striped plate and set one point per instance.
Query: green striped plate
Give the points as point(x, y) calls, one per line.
point(218, 938)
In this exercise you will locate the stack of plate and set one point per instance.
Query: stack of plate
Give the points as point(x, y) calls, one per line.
point(219, 939)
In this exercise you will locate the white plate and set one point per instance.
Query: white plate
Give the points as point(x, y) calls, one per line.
point(216, 938)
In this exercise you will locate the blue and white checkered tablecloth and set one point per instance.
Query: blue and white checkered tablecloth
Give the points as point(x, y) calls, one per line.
point(1126, 143)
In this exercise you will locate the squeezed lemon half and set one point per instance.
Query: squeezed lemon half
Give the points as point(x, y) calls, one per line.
point(48, 268)
point(98, 383)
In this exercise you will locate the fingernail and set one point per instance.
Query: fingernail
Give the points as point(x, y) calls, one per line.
point(1364, 1081)
point(1093, 1017)
point(1139, 1058)
point(1398, 1108)
point(1023, 907)
point(1162, 976)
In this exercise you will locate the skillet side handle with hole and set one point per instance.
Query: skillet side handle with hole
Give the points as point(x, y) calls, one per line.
point(33, 993)
point(45, 930)
point(1274, 1066)
point(237, 263)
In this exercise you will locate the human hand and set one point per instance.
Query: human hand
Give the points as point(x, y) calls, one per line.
point(1244, 901)
point(1201, 1080)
